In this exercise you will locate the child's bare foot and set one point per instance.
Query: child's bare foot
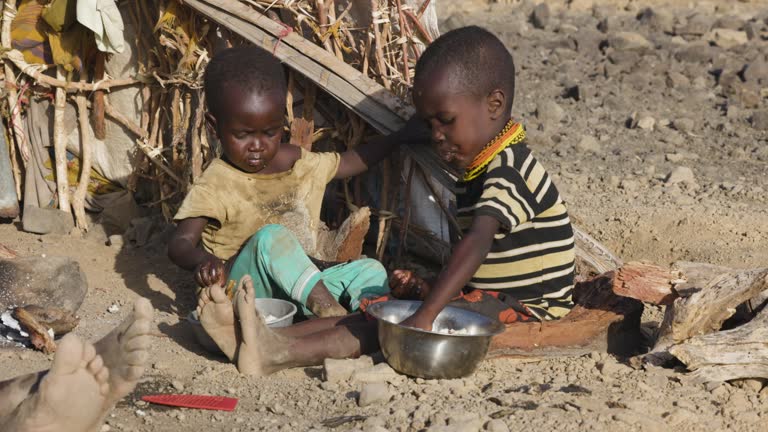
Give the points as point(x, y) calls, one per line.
point(406, 285)
point(322, 304)
point(125, 351)
point(217, 316)
point(261, 350)
point(71, 397)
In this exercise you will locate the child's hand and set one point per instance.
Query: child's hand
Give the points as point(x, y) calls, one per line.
point(406, 285)
point(212, 270)
point(419, 321)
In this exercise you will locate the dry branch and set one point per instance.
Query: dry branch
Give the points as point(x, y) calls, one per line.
point(34, 72)
point(78, 198)
point(705, 311)
point(738, 353)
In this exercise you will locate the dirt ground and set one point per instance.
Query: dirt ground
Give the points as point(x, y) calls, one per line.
point(661, 154)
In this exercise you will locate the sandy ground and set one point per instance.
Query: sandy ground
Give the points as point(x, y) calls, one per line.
point(709, 118)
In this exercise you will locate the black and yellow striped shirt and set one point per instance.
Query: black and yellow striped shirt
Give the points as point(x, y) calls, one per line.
point(532, 256)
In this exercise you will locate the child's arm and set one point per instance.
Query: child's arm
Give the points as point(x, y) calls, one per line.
point(369, 153)
point(184, 252)
point(466, 258)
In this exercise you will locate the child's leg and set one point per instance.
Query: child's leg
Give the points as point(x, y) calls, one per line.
point(280, 268)
point(353, 281)
point(264, 351)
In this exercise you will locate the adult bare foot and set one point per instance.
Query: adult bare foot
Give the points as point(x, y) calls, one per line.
point(72, 395)
point(125, 351)
point(261, 350)
point(217, 316)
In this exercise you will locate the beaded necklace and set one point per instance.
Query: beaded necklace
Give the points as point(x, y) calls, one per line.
point(512, 133)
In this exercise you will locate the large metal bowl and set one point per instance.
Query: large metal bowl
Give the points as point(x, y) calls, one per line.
point(431, 354)
point(282, 311)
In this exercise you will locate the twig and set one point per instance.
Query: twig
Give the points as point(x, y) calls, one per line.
point(197, 129)
point(379, 48)
point(34, 72)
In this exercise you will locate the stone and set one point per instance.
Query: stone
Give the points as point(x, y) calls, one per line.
point(372, 393)
point(680, 175)
point(581, 5)
point(116, 241)
point(759, 120)
point(726, 38)
point(550, 114)
point(49, 282)
point(375, 421)
point(751, 30)
point(684, 125)
point(696, 52)
point(646, 123)
point(496, 425)
point(695, 25)
point(730, 22)
point(756, 72)
point(588, 143)
point(380, 373)
point(341, 370)
point(628, 41)
point(657, 19)
point(46, 220)
point(676, 80)
point(177, 385)
point(540, 16)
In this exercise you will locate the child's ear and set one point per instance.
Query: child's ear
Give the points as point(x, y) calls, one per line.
point(210, 123)
point(496, 103)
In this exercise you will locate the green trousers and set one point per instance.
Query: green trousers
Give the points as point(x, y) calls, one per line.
point(281, 269)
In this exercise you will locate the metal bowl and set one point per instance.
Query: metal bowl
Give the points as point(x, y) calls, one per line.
point(432, 354)
point(282, 310)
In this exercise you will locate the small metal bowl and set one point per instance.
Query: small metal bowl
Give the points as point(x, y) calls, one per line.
point(431, 354)
point(282, 310)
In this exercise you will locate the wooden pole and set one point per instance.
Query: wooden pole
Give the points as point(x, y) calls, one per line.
point(60, 146)
point(78, 198)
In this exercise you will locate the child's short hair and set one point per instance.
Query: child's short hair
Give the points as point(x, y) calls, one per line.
point(479, 61)
point(250, 68)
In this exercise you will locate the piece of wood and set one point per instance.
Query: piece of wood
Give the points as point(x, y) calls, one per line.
point(38, 333)
point(726, 355)
point(59, 320)
point(78, 198)
point(351, 234)
point(7, 253)
point(705, 310)
point(60, 147)
point(600, 321)
point(647, 282)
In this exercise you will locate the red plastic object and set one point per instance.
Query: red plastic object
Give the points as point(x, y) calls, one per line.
point(220, 403)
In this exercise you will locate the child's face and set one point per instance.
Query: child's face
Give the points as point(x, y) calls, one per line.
point(251, 127)
point(461, 123)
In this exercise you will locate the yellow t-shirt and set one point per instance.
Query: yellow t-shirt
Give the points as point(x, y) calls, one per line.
point(239, 204)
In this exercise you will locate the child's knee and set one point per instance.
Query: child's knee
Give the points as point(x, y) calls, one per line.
point(271, 236)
